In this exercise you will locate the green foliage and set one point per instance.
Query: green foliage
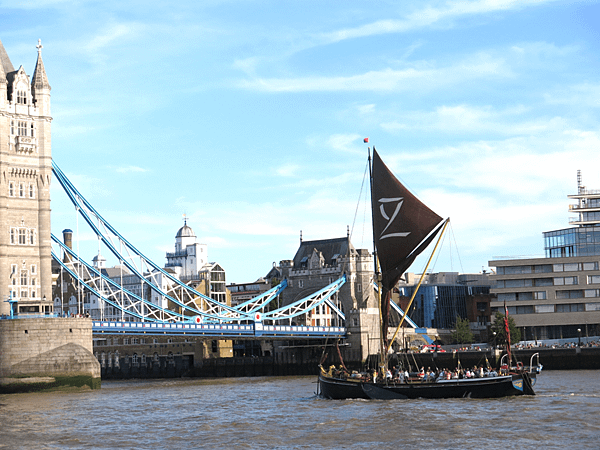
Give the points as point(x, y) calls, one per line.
point(462, 333)
point(498, 327)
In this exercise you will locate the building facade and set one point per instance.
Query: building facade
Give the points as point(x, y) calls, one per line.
point(25, 175)
point(444, 296)
point(557, 296)
point(321, 262)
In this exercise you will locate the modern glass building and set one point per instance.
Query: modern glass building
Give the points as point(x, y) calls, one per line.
point(557, 296)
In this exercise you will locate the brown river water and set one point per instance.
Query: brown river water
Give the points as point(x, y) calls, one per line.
point(282, 413)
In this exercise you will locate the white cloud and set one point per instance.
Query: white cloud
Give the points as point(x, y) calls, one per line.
point(130, 169)
point(428, 16)
point(287, 170)
point(422, 76)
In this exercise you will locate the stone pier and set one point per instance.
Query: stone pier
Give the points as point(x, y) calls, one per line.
point(47, 353)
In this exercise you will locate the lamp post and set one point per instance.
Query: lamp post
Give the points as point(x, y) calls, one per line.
point(579, 337)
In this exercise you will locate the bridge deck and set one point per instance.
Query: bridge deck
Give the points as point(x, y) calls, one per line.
point(222, 331)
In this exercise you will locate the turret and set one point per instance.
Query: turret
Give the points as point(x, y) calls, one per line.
point(68, 241)
point(40, 88)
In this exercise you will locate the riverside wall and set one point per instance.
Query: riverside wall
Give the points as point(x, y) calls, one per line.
point(298, 364)
point(47, 353)
point(573, 358)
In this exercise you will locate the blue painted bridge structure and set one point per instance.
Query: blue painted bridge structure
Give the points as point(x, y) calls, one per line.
point(190, 312)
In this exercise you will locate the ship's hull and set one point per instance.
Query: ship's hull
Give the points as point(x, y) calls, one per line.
point(488, 387)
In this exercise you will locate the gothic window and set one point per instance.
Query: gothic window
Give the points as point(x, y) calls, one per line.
point(31, 190)
point(22, 97)
point(22, 240)
point(32, 130)
point(22, 128)
point(13, 237)
point(31, 237)
point(33, 269)
point(21, 190)
point(11, 189)
point(12, 127)
point(24, 278)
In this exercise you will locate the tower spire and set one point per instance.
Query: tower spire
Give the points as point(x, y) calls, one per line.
point(40, 79)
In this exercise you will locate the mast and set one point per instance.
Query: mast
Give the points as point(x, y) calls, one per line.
point(403, 227)
point(507, 329)
point(377, 275)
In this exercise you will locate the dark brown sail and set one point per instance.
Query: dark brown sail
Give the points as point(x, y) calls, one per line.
point(402, 227)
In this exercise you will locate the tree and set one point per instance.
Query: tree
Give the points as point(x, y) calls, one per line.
point(498, 327)
point(462, 333)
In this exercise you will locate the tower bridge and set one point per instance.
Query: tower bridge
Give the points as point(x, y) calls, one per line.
point(29, 250)
point(327, 287)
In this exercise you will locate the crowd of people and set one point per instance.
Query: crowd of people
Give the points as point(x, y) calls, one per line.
point(396, 375)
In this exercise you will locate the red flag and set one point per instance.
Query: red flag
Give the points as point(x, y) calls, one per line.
point(366, 140)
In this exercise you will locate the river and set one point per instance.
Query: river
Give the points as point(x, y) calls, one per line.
point(265, 413)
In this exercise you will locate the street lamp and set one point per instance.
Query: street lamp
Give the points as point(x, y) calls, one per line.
point(579, 337)
point(494, 339)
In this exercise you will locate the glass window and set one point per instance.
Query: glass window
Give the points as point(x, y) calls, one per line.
point(22, 236)
point(508, 297)
point(590, 265)
point(571, 267)
point(591, 293)
point(11, 189)
point(539, 295)
point(593, 279)
point(592, 306)
point(544, 308)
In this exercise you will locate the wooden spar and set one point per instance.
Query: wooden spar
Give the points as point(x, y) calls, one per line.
point(382, 332)
point(417, 288)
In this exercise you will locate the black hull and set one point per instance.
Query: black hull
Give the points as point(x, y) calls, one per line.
point(492, 387)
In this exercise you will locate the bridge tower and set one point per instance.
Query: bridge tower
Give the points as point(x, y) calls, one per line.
point(25, 174)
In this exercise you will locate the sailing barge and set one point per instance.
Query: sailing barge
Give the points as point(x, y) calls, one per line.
point(403, 227)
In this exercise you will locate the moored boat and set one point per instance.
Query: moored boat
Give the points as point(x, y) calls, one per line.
point(486, 387)
point(402, 228)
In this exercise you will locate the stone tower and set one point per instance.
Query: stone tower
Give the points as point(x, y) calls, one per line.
point(25, 174)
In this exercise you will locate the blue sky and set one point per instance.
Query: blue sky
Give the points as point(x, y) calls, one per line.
point(248, 116)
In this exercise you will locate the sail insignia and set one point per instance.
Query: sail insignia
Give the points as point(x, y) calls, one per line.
point(399, 219)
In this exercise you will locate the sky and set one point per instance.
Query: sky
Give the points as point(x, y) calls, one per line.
point(249, 118)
